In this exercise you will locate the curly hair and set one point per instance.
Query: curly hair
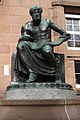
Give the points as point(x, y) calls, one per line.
point(33, 8)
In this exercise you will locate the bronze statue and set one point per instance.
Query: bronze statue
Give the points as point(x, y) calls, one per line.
point(35, 50)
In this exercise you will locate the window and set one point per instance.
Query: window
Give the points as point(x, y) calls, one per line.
point(73, 27)
point(77, 72)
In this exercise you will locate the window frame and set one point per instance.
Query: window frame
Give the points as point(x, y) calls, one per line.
point(77, 73)
point(74, 16)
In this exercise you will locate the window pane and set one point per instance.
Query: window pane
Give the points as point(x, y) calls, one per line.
point(77, 44)
point(77, 67)
point(77, 71)
point(71, 37)
point(69, 27)
point(69, 21)
point(71, 43)
point(76, 37)
point(76, 22)
point(76, 28)
point(77, 78)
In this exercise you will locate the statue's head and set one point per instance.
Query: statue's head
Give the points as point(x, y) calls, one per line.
point(34, 8)
point(35, 12)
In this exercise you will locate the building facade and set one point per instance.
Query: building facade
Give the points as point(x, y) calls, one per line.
point(65, 13)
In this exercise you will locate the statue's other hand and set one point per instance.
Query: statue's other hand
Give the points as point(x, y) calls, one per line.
point(66, 36)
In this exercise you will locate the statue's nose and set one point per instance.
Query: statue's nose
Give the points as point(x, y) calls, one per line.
point(37, 15)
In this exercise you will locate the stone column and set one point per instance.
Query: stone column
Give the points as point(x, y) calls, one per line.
point(59, 19)
point(70, 76)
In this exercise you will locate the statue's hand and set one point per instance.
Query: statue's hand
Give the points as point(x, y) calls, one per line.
point(25, 38)
point(66, 36)
point(60, 40)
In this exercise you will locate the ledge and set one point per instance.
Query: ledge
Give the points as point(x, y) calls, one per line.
point(56, 102)
point(40, 109)
point(66, 2)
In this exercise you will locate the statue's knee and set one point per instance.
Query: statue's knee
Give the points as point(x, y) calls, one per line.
point(20, 46)
point(47, 49)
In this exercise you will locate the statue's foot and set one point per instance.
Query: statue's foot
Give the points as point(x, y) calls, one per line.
point(14, 83)
point(58, 81)
point(32, 77)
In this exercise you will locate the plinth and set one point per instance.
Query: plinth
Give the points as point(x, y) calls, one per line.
point(39, 101)
point(40, 109)
point(39, 91)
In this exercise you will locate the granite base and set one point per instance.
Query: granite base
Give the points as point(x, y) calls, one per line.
point(38, 91)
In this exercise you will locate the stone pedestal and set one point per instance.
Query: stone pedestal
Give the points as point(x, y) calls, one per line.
point(39, 91)
point(39, 101)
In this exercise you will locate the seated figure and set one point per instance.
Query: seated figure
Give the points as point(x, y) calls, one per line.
point(34, 54)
